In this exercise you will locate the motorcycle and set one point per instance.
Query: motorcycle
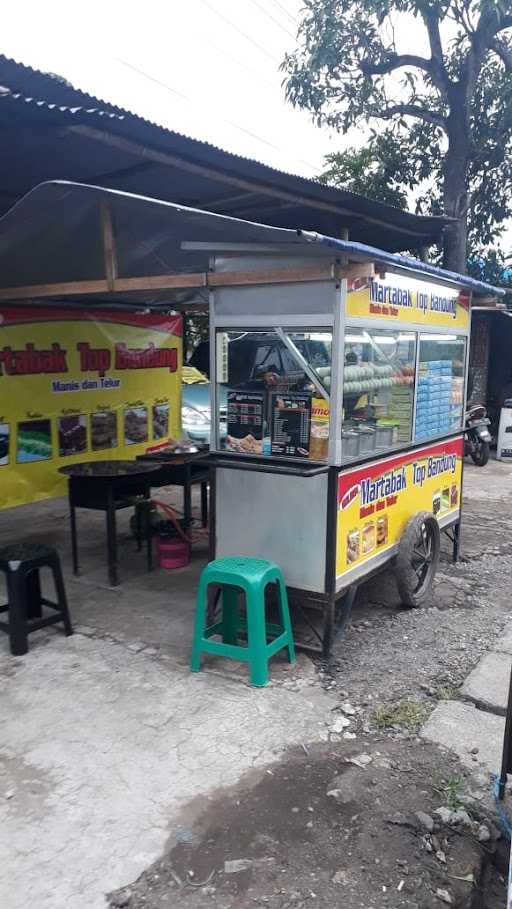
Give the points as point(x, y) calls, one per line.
point(477, 439)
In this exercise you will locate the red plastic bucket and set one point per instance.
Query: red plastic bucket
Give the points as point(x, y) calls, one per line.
point(173, 553)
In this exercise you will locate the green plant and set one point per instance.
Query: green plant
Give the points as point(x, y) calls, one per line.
point(446, 692)
point(409, 714)
point(451, 789)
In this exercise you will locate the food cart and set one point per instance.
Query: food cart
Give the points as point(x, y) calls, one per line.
point(338, 392)
point(338, 376)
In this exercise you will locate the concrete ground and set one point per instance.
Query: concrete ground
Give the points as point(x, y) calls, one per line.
point(106, 736)
point(472, 724)
point(110, 747)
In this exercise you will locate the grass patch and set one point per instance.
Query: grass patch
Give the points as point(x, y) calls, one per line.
point(446, 693)
point(451, 790)
point(409, 715)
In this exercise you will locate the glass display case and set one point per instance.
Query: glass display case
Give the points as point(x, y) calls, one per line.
point(378, 390)
point(440, 392)
point(273, 390)
point(274, 395)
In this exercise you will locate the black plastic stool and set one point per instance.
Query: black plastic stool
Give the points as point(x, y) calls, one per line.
point(21, 564)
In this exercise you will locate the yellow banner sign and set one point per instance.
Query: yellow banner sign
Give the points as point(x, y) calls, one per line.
point(375, 501)
point(396, 298)
point(82, 386)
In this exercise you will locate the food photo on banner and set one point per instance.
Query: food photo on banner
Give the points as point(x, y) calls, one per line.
point(82, 386)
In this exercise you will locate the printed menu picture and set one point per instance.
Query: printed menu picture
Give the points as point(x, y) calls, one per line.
point(72, 435)
point(135, 425)
point(245, 422)
point(160, 421)
point(4, 444)
point(369, 537)
point(382, 530)
point(353, 546)
point(103, 430)
point(436, 503)
point(290, 416)
point(34, 441)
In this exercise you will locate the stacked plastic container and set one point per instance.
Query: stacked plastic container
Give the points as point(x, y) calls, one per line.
point(401, 410)
point(434, 399)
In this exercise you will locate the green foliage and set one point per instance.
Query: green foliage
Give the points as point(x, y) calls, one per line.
point(389, 167)
point(395, 164)
point(440, 124)
point(196, 331)
point(367, 172)
point(340, 42)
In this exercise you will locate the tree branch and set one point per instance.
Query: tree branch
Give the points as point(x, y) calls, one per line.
point(412, 110)
point(438, 69)
point(490, 24)
point(460, 14)
point(395, 61)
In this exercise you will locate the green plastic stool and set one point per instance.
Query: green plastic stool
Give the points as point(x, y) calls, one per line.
point(251, 576)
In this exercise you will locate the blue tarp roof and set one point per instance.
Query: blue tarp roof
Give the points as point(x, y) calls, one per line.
point(397, 260)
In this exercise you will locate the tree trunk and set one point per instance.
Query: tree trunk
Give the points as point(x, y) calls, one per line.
point(455, 194)
point(454, 246)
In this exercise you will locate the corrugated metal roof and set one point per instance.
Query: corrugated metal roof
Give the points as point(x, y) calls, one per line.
point(24, 80)
point(47, 99)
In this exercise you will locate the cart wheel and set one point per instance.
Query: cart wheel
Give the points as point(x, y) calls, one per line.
point(418, 558)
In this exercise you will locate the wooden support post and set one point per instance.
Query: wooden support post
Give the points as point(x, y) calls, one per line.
point(109, 245)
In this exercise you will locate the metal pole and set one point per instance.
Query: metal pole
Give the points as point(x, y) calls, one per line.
point(509, 891)
point(506, 761)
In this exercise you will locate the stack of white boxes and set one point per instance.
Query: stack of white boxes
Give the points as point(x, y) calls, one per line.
point(434, 399)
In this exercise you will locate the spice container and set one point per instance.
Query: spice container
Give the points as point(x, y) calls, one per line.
point(350, 444)
point(383, 436)
point(366, 439)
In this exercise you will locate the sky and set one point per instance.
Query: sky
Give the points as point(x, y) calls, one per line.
point(205, 68)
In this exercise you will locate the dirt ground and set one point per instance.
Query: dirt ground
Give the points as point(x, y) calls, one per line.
point(317, 829)
point(332, 827)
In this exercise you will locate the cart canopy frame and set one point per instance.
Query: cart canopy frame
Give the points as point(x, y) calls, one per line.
point(71, 240)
